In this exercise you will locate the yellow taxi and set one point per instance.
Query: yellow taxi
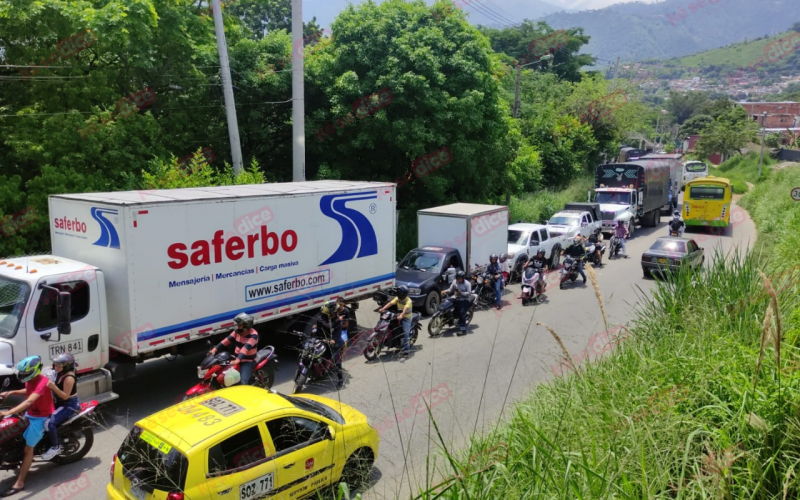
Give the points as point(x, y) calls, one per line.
point(244, 443)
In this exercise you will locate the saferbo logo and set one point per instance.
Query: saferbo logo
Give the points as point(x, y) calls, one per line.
point(233, 249)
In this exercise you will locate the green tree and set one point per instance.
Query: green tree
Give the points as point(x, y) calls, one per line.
point(694, 125)
point(729, 133)
point(683, 105)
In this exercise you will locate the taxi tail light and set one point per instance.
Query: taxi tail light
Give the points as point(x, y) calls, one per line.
point(113, 464)
point(175, 496)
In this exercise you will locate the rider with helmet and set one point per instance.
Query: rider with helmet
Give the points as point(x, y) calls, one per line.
point(539, 264)
point(39, 406)
point(594, 240)
point(497, 271)
point(504, 267)
point(67, 403)
point(677, 224)
point(622, 233)
point(578, 252)
point(462, 291)
point(403, 302)
point(245, 339)
point(329, 329)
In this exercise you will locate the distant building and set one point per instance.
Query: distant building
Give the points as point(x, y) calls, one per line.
point(689, 146)
point(779, 114)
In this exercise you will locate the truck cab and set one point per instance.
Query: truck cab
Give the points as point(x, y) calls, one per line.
point(50, 306)
point(525, 240)
point(424, 271)
point(616, 204)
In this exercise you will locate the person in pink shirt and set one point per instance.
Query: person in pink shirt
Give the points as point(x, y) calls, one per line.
point(39, 406)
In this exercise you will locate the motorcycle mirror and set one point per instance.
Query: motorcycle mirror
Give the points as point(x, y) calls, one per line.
point(6, 382)
point(64, 313)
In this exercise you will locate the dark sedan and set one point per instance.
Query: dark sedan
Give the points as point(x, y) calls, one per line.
point(670, 253)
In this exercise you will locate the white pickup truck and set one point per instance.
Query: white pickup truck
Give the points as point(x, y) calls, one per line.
point(525, 240)
point(576, 218)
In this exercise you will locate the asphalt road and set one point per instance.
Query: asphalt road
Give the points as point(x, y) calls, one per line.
point(501, 359)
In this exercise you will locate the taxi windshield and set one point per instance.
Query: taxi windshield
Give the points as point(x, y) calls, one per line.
point(152, 463)
point(316, 407)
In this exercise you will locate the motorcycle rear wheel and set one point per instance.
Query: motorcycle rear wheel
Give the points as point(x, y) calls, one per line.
point(373, 349)
point(72, 449)
point(436, 326)
point(264, 378)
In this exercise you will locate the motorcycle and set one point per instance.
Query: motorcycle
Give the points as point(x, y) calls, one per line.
point(213, 368)
point(569, 271)
point(616, 246)
point(591, 252)
point(313, 363)
point(532, 286)
point(447, 315)
point(75, 437)
point(483, 288)
point(388, 333)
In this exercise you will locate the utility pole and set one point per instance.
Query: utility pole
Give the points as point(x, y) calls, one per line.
point(616, 70)
point(763, 134)
point(298, 95)
point(227, 88)
point(548, 57)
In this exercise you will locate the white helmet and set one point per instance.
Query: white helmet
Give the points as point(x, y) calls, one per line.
point(676, 215)
point(232, 377)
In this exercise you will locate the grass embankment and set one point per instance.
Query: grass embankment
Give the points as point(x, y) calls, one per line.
point(742, 169)
point(539, 207)
point(696, 403)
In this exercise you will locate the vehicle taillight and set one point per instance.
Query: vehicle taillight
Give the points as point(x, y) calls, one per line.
point(113, 464)
point(175, 496)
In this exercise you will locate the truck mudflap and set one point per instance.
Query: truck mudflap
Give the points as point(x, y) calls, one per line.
point(96, 385)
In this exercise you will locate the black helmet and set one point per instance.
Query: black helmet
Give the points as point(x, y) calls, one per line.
point(461, 274)
point(402, 291)
point(66, 359)
point(243, 320)
point(540, 251)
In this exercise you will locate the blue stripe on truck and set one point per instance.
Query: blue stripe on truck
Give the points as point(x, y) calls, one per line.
point(160, 332)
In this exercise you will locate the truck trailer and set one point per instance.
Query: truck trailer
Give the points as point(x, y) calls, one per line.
point(137, 275)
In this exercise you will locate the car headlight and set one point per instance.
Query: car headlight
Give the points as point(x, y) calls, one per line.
point(414, 291)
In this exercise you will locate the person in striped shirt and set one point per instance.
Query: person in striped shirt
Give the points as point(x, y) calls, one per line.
point(245, 339)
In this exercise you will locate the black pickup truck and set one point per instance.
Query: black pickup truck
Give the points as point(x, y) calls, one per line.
point(424, 272)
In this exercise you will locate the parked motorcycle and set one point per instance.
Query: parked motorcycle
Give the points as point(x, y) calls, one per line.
point(591, 252)
point(483, 287)
point(532, 286)
point(388, 333)
point(447, 315)
point(75, 437)
point(314, 363)
point(213, 368)
point(569, 271)
point(615, 246)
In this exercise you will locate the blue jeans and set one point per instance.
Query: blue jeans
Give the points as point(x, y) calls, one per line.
point(406, 334)
point(580, 270)
point(67, 410)
point(246, 371)
point(498, 291)
point(622, 245)
point(462, 306)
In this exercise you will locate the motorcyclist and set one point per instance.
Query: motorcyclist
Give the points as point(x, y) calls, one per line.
point(621, 232)
point(245, 339)
point(677, 224)
point(344, 316)
point(67, 403)
point(329, 330)
point(504, 267)
point(496, 270)
point(539, 264)
point(39, 406)
point(596, 242)
point(578, 252)
point(462, 292)
point(403, 302)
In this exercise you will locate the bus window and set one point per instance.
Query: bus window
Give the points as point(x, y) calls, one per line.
point(706, 193)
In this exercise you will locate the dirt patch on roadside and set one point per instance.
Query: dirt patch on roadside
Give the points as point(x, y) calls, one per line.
point(781, 166)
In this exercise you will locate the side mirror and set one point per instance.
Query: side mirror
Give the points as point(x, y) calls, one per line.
point(584, 224)
point(331, 434)
point(534, 243)
point(64, 313)
point(6, 382)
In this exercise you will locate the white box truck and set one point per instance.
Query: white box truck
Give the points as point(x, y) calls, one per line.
point(465, 233)
point(135, 275)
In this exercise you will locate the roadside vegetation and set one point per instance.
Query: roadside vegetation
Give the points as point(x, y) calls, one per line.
point(743, 169)
point(697, 400)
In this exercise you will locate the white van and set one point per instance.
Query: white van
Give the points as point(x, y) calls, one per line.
point(693, 170)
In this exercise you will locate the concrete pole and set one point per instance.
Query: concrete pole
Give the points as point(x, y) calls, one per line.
point(227, 89)
point(298, 95)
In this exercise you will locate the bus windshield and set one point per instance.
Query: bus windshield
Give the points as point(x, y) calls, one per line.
point(706, 193)
point(696, 167)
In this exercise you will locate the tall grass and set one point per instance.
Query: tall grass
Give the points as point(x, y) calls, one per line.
point(540, 206)
point(743, 169)
point(674, 411)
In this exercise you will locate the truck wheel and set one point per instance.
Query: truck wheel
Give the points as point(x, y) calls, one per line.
point(517, 272)
point(432, 302)
point(555, 259)
point(631, 228)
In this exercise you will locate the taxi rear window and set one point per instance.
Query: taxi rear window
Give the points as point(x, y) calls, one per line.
point(152, 462)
